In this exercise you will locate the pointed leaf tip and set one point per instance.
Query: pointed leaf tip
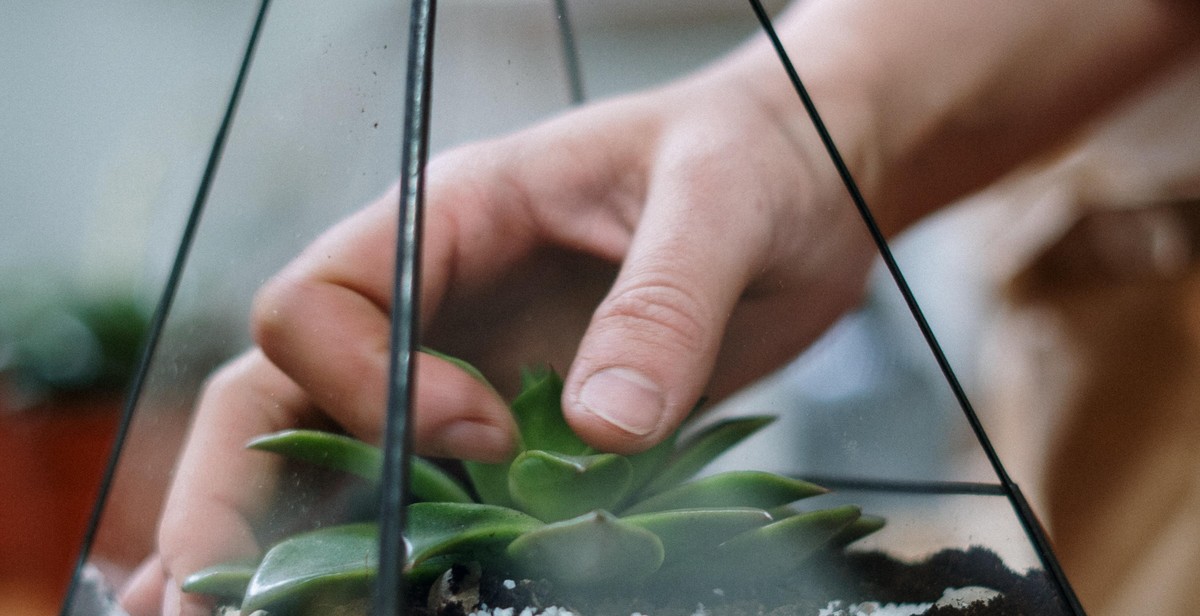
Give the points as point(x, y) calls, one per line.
point(863, 526)
point(689, 534)
point(460, 364)
point(757, 489)
point(539, 416)
point(225, 581)
point(325, 449)
point(704, 447)
point(784, 545)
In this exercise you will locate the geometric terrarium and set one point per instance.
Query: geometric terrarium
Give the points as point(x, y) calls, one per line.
point(297, 494)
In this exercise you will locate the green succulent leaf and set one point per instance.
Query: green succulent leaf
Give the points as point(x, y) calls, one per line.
point(687, 533)
point(554, 487)
point(546, 514)
point(532, 375)
point(647, 464)
point(437, 529)
point(538, 411)
point(704, 447)
point(226, 581)
point(324, 449)
point(757, 489)
point(863, 526)
point(460, 364)
point(430, 483)
point(785, 544)
point(350, 455)
point(430, 569)
point(595, 548)
point(338, 561)
point(490, 482)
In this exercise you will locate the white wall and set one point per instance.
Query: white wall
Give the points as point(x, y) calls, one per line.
point(108, 109)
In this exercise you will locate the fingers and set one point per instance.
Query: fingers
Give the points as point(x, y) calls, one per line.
point(325, 322)
point(327, 329)
point(151, 593)
point(325, 319)
point(343, 361)
point(220, 489)
point(653, 341)
point(459, 417)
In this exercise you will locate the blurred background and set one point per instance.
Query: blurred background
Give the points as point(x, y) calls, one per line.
point(107, 114)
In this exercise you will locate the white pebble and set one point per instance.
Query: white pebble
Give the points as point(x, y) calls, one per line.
point(509, 584)
point(963, 597)
point(871, 608)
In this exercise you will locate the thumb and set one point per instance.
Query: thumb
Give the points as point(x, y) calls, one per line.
point(652, 343)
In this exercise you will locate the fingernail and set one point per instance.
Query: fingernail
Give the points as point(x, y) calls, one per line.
point(624, 398)
point(477, 441)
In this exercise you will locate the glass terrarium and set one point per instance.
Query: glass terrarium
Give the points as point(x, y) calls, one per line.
point(856, 477)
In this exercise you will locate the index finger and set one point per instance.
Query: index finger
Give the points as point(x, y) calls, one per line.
point(219, 487)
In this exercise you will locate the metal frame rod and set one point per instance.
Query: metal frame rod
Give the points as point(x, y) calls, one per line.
point(389, 584)
point(570, 51)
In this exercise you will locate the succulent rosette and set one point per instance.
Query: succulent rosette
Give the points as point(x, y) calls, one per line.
point(558, 510)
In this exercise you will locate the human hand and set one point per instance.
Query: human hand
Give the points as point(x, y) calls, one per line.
point(663, 246)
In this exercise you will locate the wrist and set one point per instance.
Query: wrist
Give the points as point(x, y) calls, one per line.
point(838, 83)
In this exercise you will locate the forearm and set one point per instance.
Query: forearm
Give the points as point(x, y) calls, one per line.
point(930, 99)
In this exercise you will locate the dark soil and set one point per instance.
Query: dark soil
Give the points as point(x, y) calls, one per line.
point(853, 577)
point(886, 580)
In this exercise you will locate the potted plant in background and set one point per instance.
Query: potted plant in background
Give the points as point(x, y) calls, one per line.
point(65, 361)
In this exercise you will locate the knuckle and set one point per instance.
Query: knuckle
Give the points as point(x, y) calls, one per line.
point(173, 540)
point(658, 311)
point(229, 376)
point(223, 377)
point(273, 305)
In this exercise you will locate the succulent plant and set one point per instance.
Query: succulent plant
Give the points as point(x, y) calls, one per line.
point(559, 510)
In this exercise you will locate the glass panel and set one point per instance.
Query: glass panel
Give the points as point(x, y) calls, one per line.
point(315, 136)
point(865, 410)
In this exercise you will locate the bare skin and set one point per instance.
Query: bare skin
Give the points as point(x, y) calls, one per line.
point(682, 241)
